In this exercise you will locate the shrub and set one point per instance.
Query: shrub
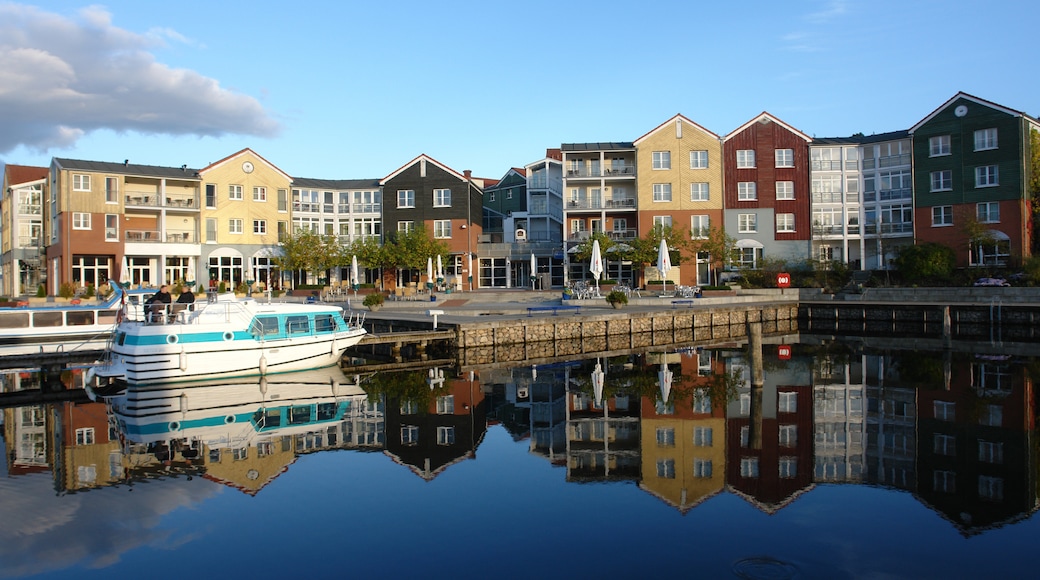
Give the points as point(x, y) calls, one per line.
point(374, 299)
point(616, 297)
point(222, 288)
point(89, 293)
point(41, 291)
point(67, 290)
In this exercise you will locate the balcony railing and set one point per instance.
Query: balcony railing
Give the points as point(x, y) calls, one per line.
point(823, 165)
point(622, 234)
point(826, 197)
point(152, 199)
point(155, 236)
point(601, 172)
point(367, 208)
point(895, 160)
point(621, 203)
point(887, 194)
point(28, 242)
point(30, 209)
point(900, 228)
point(542, 182)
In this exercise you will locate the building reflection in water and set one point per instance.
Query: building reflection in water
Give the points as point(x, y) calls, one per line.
point(766, 424)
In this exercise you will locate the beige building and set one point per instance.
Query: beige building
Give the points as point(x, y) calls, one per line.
point(679, 185)
point(246, 210)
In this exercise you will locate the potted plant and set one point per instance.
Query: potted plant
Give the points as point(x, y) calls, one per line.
point(617, 298)
point(373, 301)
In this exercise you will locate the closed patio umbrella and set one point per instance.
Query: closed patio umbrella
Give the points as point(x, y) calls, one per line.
point(429, 273)
point(664, 263)
point(596, 262)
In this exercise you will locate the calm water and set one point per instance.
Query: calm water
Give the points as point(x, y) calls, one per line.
point(844, 462)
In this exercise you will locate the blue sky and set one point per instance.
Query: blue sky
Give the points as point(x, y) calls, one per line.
point(347, 90)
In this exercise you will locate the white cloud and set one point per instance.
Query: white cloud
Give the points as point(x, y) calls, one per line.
point(65, 77)
point(832, 9)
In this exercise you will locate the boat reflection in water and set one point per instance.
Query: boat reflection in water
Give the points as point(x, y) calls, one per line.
point(261, 423)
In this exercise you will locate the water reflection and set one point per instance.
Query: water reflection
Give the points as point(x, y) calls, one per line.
point(766, 425)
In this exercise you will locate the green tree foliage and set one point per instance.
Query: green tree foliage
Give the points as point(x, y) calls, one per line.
point(1034, 184)
point(307, 251)
point(410, 249)
point(583, 251)
point(926, 262)
point(645, 249)
point(719, 246)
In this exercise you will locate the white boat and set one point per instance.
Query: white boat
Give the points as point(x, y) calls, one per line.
point(85, 325)
point(224, 337)
point(235, 413)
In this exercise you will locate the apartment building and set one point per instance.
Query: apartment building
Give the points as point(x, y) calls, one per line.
point(350, 209)
point(679, 186)
point(972, 170)
point(21, 229)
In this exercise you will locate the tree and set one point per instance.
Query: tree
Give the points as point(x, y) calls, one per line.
point(1034, 184)
point(645, 249)
point(932, 262)
point(307, 251)
point(719, 246)
point(410, 249)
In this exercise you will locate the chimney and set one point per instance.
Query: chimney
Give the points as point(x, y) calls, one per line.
point(467, 173)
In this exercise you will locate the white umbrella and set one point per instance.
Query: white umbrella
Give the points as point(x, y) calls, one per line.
point(440, 270)
point(429, 272)
point(596, 262)
point(664, 376)
point(355, 280)
point(124, 273)
point(469, 269)
point(664, 262)
point(190, 279)
point(597, 384)
point(534, 270)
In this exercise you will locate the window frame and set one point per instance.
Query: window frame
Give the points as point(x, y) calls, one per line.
point(662, 192)
point(783, 158)
point(785, 223)
point(939, 146)
point(987, 176)
point(942, 216)
point(700, 191)
point(699, 159)
point(235, 192)
point(991, 207)
point(405, 198)
point(745, 158)
point(747, 191)
point(941, 180)
point(260, 227)
point(747, 223)
point(661, 160)
point(985, 139)
point(788, 190)
point(81, 220)
point(442, 197)
point(442, 229)
point(232, 222)
point(80, 182)
point(260, 193)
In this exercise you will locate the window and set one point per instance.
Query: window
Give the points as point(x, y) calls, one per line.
point(80, 221)
point(234, 226)
point(85, 436)
point(942, 180)
point(700, 191)
point(666, 468)
point(702, 436)
point(942, 215)
point(111, 227)
point(945, 410)
point(662, 221)
point(939, 145)
point(446, 405)
point(509, 194)
point(787, 402)
point(260, 227)
point(259, 194)
point(749, 467)
point(788, 467)
point(747, 223)
point(992, 415)
point(442, 198)
point(700, 226)
point(944, 481)
point(445, 435)
point(662, 159)
point(785, 157)
point(235, 192)
point(702, 468)
point(665, 437)
point(986, 176)
point(662, 192)
point(991, 488)
point(409, 434)
point(491, 196)
point(211, 195)
point(943, 444)
point(406, 198)
point(785, 222)
point(991, 452)
point(985, 139)
point(283, 200)
point(745, 158)
point(442, 229)
point(404, 227)
point(80, 182)
point(747, 191)
point(988, 212)
point(698, 159)
point(111, 190)
point(785, 190)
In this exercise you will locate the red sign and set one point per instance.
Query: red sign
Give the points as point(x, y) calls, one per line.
point(783, 280)
point(784, 351)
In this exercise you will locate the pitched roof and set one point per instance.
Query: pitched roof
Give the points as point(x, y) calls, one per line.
point(428, 159)
point(766, 116)
point(246, 151)
point(16, 174)
point(605, 146)
point(669, 122)
point(862, 139)
point(974, 99)
point(127, 168)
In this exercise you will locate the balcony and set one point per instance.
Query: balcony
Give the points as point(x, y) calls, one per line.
point(578, 172)
point(898, 228)
point(595, 203)
point(887, 194)
point(155, 236)
point(30, 209)
point(622, 234)
point(154, 200)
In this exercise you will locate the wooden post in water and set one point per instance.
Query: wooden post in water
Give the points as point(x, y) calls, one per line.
point(754, 333)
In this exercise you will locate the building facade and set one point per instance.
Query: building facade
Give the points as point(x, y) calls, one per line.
point(21, 229)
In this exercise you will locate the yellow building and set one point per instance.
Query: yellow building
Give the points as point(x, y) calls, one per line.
point(245, 211)
point(679, 185)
